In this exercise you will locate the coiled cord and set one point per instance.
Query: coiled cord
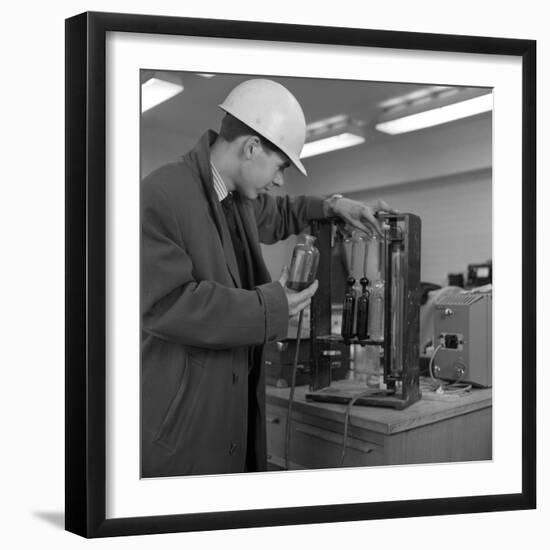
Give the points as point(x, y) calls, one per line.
point(439, 386)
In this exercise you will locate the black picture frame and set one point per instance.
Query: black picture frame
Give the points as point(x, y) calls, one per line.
point(86, 273)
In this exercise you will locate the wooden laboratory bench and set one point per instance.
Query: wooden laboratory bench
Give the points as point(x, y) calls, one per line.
point(434, 429)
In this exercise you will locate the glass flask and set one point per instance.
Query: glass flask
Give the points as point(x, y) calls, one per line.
point(305, 260)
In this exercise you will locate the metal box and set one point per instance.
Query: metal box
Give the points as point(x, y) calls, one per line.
point(463, 332)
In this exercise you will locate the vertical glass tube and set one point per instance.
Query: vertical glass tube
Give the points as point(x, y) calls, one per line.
point(363, 310)
point(348, 306)
point(397, 307)
point(348, 310)
point(363, 300)
point(375, 272)
point(374, 266)
point(376, 311)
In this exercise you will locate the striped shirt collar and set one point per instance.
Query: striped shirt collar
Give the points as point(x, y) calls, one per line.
point(219, 185)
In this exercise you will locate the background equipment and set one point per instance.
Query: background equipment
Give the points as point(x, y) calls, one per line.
point(463, 338)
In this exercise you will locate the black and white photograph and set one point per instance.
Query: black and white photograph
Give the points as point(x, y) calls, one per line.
point(316, 273)
point(274, 275)
point(282, 248)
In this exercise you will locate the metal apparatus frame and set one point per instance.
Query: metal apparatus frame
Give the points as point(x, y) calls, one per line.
point(402, 381)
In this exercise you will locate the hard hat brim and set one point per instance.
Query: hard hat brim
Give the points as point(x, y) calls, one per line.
point(298, 163)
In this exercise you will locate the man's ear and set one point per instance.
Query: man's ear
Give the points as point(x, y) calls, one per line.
point(251, 146)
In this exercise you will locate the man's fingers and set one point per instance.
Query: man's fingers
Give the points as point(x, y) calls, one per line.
point(361, 226)
point(300, 300)
point(312, 288)
point(284, 276)
point(301, 305)
point(383, 205)
point(307, 293)
point(372, 221)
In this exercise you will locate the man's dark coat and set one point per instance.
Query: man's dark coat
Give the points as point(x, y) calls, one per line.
point(202, 399)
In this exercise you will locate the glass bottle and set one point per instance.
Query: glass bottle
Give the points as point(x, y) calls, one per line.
point(305, 260)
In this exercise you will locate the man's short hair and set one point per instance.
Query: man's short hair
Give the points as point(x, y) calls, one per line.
point(232, 128)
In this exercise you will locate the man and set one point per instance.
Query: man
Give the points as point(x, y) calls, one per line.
point(208, 303)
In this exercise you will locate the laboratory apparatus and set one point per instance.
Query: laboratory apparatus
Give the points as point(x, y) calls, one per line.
point(393, 308)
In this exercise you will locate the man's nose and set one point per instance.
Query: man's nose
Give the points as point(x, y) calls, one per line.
point(279, 179)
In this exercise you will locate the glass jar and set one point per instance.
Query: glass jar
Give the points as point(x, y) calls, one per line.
point(305, 260)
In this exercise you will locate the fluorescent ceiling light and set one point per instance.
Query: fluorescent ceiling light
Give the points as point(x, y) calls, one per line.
point(206, 75)
point(326, 124)
point(332, 143)
point(416, 95)
point(156, 91)
point(332, 133)
point(440, 115)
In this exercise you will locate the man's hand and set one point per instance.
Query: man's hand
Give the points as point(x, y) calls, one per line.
point(361, 215)
point(297, 300)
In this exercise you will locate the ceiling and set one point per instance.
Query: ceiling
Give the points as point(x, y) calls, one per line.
point(195, 109)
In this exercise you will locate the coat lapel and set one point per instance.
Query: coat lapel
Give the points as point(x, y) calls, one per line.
point(200, 158)
point(260, 273)
point(227, 244)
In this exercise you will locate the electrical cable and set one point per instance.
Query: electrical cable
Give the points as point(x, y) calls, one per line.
point(430, 365)
point(292, 388)
point(346, 423)
point(439, 386)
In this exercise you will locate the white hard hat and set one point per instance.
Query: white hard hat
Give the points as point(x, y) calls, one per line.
point(271, 110)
